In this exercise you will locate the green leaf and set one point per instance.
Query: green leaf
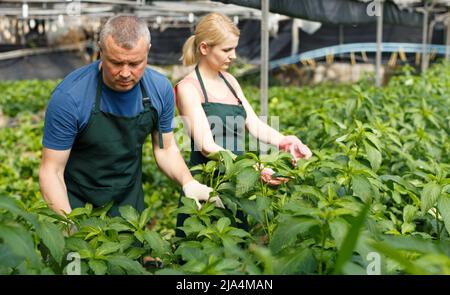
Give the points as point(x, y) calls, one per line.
point(222, 224)
point(265, 257)
point(135, 253)
point(145, 217)
point(362, 188)
point(297, 262)
point(206, 232)
point(411, 243)
point(8, 258)
point(249, 208)
point(19, 241)
point(80, 246)
point(127, 240)
point(263, 204)
point(91, 231)
point(192, 226)
point(103, 210)
point(396, 197)
point(409, 213)
point(194, 267)
point(226, 187)
point(349, 243)
point(246, 181)
point(444, 209)
point(130, 214)
point(287, 231)
point(210, 166)
point(119, 227)
point(269, 158)
point(129, 266)
point(373, 155)
point(107, 248)
point(298, 209)
point(227, 264)
point(397, 255)
point(189, 207)
point(237, 232)
point(351, 268)
point(169, 272)
point(350, 107)
point(11, 205)
point(374, 140)
point(244, 163)
point(339, 229)
point(80, 211)
point(429, 196)
point(228, 162)
point(52, 238)
point(16, 208)
point(99, 267)
point(408, 227)
point(399, 180)
point(159, 246)
point(191, 250)
point(309, 190)
point(139, 234)
point(342, 211)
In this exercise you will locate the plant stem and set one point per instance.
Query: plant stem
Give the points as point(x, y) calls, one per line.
point(438, 229)
point(322, 246)
point(211, 177)
point(269, 233)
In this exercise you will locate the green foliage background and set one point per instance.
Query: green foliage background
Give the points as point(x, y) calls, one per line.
point(378, 184)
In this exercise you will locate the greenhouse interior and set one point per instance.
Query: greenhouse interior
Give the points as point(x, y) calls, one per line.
point(225, 137)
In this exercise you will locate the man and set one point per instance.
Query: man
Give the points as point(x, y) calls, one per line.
point(97, 121)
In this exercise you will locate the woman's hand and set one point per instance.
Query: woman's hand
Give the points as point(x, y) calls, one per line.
point(295, 147)
point(266, 176)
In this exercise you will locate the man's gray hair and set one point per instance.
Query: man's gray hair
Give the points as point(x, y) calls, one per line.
point(126, 30)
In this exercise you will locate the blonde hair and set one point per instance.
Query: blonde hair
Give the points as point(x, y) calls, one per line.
point(212, 29)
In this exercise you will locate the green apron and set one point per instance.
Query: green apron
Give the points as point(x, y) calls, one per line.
point(231, 136)
point(105, 163)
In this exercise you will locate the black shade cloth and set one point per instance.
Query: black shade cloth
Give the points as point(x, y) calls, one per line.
point(335, 11)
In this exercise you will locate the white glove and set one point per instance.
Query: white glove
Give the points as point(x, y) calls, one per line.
point(200, 192)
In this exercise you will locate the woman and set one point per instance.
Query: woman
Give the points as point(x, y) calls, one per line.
point(212, 103)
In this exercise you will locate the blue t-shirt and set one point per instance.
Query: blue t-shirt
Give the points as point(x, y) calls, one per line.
point(72, 101)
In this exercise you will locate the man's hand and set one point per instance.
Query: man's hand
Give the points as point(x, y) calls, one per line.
point(295, 147)
point(200, 192)
point(216, 156)
point(70, 230)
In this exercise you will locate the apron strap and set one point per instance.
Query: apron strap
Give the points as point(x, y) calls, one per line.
point(230, 87)
point(199, 77)
point(145, 98)
point(146, 101)
point(98, 94)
